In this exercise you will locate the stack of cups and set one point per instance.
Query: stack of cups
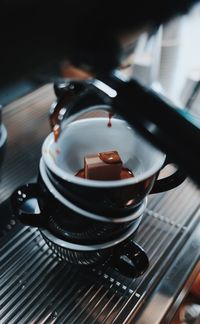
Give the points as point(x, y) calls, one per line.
point(84, 221)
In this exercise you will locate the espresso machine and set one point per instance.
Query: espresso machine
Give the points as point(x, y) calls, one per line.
point(38, 287)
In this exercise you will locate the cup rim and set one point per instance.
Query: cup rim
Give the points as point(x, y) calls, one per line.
point(84, 212)
point(88, 248)
point(49, 140)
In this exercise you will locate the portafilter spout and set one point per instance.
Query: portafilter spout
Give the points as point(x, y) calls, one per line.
point(77, 97)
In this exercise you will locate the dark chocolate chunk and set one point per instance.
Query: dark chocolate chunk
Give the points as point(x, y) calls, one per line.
point(103, 166)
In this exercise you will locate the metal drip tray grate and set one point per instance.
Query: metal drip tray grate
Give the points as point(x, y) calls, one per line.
point(38, 288)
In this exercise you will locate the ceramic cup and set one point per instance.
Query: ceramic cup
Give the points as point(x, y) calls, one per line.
point(77, 236)
point(65, 157)
point(41, 205)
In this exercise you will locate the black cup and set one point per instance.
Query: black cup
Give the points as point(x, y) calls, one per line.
point(122, 253)
point(79, 138)
point(73, 236)
point(64, 219)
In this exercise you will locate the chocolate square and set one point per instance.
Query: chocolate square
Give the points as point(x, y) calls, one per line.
point(103, 166)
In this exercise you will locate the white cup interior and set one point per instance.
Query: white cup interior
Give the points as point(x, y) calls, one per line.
point(92, 135)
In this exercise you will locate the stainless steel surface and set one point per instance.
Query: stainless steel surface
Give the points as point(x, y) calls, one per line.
point(37, 287)
point(174, 284)
point(26, 121)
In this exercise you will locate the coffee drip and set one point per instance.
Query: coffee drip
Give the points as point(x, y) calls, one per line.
point(66, 94)
point(110, 114)
point(56, 132)
point(56, 128)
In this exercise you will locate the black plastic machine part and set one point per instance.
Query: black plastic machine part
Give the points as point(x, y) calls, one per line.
point(172, 129)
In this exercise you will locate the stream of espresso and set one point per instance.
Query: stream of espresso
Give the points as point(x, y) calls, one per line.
point(110, 114)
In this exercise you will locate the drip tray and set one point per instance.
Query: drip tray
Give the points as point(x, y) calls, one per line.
point(36, 287)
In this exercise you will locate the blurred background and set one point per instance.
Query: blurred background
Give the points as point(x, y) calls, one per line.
point(168, 61)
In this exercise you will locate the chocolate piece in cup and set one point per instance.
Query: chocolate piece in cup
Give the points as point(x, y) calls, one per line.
point(103, 166)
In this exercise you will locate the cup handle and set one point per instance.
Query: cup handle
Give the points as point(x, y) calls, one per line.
point(169, 182)
point(25, 194)
point(130, 260)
